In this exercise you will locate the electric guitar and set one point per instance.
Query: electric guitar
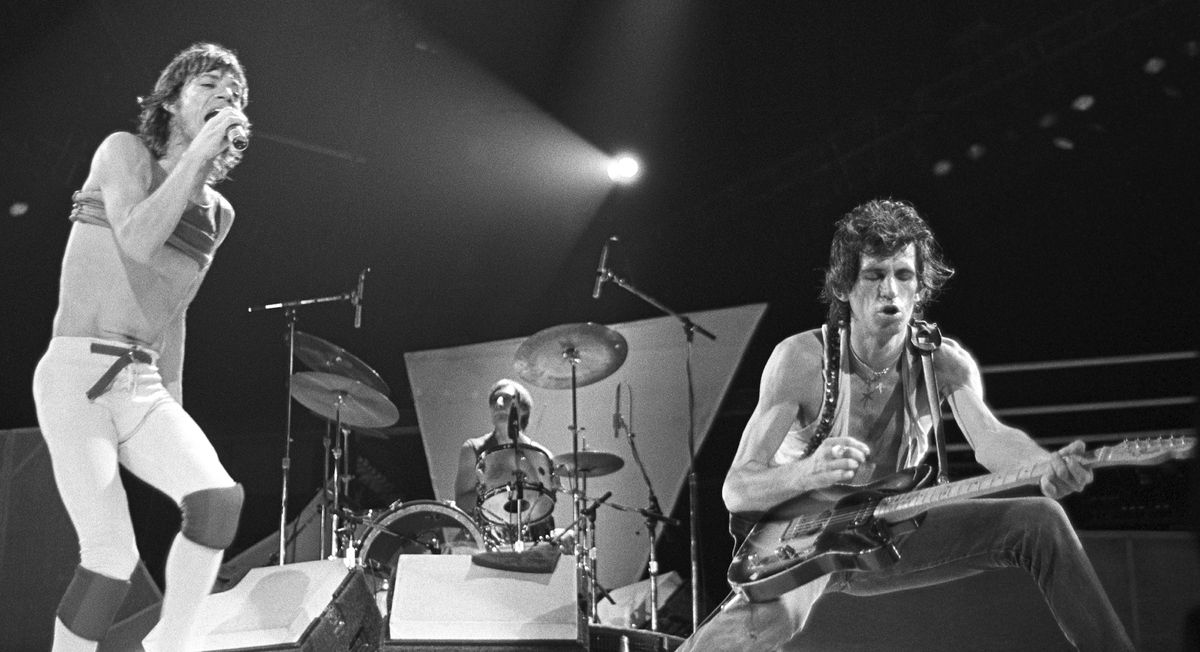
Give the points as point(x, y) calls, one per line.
point(844, 527)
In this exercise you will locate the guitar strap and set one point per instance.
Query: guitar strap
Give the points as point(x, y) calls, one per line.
point(926, 337)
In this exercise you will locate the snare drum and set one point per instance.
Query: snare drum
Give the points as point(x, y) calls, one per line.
point(516, 479)
point(417, 527)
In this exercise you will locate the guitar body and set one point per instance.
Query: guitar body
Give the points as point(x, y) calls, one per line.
point(821, 532)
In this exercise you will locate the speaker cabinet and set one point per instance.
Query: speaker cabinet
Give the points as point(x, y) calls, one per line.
point(317, 606)
point(447, 602)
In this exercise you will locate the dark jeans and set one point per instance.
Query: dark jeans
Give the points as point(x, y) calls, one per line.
point(954, 541)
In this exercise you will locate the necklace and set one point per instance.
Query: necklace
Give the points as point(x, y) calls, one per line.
point(875, 378)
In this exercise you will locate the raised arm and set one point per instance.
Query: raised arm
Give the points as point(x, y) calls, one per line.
point(998, 446)
point(123, 167)
point(755, 483)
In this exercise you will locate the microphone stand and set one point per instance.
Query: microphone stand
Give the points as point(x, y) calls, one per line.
point(690, 329)
point(653, 515)
point(289, 314)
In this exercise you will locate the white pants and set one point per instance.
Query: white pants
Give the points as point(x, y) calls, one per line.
point(137, 424)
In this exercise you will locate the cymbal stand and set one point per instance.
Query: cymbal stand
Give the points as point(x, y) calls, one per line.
point(690, 329)
point(289, 313)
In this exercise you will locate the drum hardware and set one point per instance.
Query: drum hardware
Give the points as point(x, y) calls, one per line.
point(290, 316)
point(344, 402)
point(571, 356)
point(690, 328)
point(516, 485)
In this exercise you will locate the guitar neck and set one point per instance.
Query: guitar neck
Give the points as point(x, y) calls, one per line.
point(908, 505)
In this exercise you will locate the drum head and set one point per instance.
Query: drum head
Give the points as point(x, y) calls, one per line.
point(418, 527)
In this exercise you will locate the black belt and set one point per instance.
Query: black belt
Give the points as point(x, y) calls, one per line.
point(125, 357)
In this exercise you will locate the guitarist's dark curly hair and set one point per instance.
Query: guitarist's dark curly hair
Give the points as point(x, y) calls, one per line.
point(880, 227)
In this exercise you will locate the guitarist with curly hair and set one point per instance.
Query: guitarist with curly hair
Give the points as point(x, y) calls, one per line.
point(848, 405)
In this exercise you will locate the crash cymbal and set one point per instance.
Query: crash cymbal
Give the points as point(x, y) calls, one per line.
point(320, 355)
point(333, 397)
point(545, 358)
point(592, 464)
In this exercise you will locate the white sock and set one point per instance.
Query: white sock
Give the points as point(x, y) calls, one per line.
point(190, 572)
point(66, 640)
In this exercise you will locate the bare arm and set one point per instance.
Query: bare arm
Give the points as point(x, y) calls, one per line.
point(754, 482)
point(142, 220)
point(464, 483)
point(998, 446)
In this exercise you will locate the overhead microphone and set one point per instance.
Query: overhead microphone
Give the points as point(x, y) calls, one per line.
point(602, 268)
point(358, 297)
point(514, 422)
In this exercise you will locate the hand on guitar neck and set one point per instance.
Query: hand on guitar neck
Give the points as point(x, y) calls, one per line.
point(1065, 473)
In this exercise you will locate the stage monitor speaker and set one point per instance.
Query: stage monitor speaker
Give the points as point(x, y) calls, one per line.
point(443, 602)
point(315, 606)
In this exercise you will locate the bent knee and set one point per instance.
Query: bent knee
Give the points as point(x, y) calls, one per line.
point(90, 603)
point(210, 516)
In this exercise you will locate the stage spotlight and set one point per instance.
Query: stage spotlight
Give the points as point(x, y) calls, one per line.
point(942, 168)
point(18, 208)
point(976, 151)
point(1154, 65)
point(624, 168)
point(1083, 102)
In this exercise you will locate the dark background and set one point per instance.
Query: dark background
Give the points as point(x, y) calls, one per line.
point(452, 147)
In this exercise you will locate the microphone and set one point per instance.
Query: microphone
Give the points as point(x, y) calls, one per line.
point(358, 296)
point(514, 422)
point(238, 137)
point(617, 414)
point(591, 510)
point(236, 134)
point(601, 269)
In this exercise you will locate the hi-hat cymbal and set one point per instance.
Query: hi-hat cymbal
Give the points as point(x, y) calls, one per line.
point(547, 357)
point(592, 464)
point(338, 397)
point(320, 355)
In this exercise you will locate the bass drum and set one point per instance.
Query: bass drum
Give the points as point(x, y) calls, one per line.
point(417, 527)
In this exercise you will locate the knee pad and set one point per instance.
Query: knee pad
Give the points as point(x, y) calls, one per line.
point(210, 516)
point(91, 602)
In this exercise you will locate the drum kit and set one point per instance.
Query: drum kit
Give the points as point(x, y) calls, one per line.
point(518, 484)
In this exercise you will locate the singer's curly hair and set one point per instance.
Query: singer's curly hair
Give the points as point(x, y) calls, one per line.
point(881, 227)
point(154, 123)
point(524, 398)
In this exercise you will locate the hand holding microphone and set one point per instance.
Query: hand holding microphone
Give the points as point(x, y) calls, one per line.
point(236, 133)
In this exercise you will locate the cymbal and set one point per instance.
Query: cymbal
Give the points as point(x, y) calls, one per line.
point(333, 397)
point(320, 355)
point(545, 358)
point(591, 463)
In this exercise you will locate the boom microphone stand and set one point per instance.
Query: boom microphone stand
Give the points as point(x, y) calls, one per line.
point(289, 314)
point(690, 329)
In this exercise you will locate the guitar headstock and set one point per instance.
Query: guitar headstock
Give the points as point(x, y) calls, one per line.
point(1144, 452)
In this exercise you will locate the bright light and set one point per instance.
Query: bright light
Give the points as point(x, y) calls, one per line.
point(1154, 65)
point(18, 208)
point(624, 169)
point(976, 151)
point(1065, 144)
point(1083, 103)
point(942, 168)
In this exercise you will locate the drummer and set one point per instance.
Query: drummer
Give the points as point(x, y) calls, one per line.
point(466, 486)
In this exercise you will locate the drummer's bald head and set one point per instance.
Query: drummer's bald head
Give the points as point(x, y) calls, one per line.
point(511, 387)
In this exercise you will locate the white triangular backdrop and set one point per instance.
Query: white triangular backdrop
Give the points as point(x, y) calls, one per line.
point(450, 389)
